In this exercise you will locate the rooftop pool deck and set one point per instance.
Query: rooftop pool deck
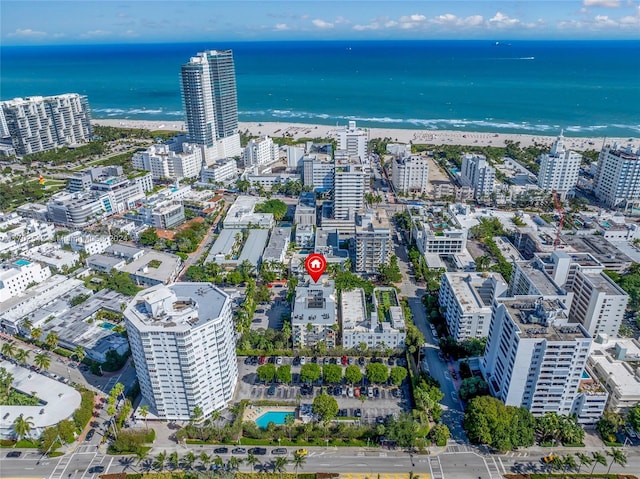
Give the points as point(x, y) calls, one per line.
point(263, 415)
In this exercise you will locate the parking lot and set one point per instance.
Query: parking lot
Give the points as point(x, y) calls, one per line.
point(374, 401)
point(270, 315)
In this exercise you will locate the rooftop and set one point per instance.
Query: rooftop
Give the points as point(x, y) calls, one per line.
point(179, 306)
point(280, 237)
point(541, 280)
point(474, 290)
point(315, 303)
point(169, 263)
point(543, 319)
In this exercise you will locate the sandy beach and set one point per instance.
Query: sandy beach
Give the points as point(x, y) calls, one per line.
point(436, 137)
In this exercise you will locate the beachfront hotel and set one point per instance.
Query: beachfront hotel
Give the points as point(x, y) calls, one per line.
point(559, 169)
point(617, 181)
point(42, 123)
point(208, 83)
point(410, 174)
point(183, 344)
point(477, 173)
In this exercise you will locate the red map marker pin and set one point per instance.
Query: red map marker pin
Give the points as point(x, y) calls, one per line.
point(316, 265)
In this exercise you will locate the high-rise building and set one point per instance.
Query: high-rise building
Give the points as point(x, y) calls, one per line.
point(410, 174)
point(467, 301)
point(313, 316)
point(559, 169)
point(318, 172)
point(354, 141)
point(43, 123)
point(260, 152)
point(617, 181)
point(209, 96)
point(372, 245)
point(183, 343)
point(534, 356)
point(477, 172)
point(350, 182)
point(173, 160)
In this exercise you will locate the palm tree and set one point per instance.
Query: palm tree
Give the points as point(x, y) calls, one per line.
point(617, 457)
point(197, 414)
point(126, 462)
point(569, 463)
point(144, 412)
point(51, 340)
point(280, 464)
point(36, 333)
point(141, 454)
point(21, 355)
point(158, 461)
point(584, 460)
point(42, 361)
point(79, 353)
point(234, 462)
point(23, 425)
point(598, 459)
point(298, 462)
point(252, 460)
point(218, 461)
point(8, 349)
point(174, 460)
point(556, 464)
point(26, 324)
point(205, 459)
point(188, 460)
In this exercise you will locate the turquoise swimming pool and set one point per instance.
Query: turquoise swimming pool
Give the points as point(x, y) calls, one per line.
point(108, 326)
point(276, 417)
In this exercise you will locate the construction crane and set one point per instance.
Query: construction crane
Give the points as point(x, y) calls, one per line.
point(560, 211)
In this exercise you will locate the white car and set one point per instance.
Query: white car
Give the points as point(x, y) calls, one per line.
point(303, 361)
point(279, 360)
point(350, 392)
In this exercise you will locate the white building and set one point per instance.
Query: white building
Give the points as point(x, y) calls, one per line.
point(614, 363)
point(410, 174)
point(318, 172)
point(183, 343)
point(17, 276)
point(384, 327)
point(18, 233)
point(313, 316)
point(87, 242)
point(241, 214)
point(208, 83)
point(354, 141)
point(164, 161)
point(220, 171)
point(467, 301)
point(617, 180)
point(305, 236)
point(436, 232)
point(43, 123)
point(350, 182)
point(534, 357)
point(78, 210)
point(52, 255)
point(559, 169)
point(372, 246)
point(260, 152)
point(477, 172)
point(268, 180)
point(306, 213)
point(278, 245)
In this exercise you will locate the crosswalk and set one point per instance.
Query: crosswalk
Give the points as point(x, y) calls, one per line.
point(436, 468)
point(493, 468)
point(58, 471)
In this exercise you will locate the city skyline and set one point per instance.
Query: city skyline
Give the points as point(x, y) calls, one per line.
point(40, 22)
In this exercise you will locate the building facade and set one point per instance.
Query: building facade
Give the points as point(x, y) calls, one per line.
point(477, 173)
point(559, 169)
point(42, 123)
point(208, 83)
point(410, 174)
point(351, 180)
point(353, 140)
point(260, 152)
point(617, 180)
point(313, 316)
point(220, 171)
point(183, 343)
point(166, 163)
point(18, 276)
point(372, 243)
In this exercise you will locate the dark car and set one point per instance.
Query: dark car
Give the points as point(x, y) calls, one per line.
point(391, 362)
point(238, 450)
point(357, 412)
point(258, 451)
point(221, 450)
point(15, 454)
point(376, 392)
point(90, 435)
point(272, 390)
point(279, 451)
point(95, 469)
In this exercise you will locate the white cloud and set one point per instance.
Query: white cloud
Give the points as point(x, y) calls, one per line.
point(451, 19)
point(413, 18)
point(27, 33)
point(95, 33)
point(601, 3)
point(281, 27)
point(604, 20)
point(341, 21)
point(321, 24)
point(500, 20)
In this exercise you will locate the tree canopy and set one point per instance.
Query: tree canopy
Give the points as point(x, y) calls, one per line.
point(326, 407)
point(277, 207)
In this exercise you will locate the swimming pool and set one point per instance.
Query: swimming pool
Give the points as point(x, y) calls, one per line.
point(585, 375)
point(108, 326)
point(276, 417)
point(22, 262)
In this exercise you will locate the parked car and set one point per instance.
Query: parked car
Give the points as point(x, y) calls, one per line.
point(96, 469)
point(272, 390)
point(279, 451)
point(258, 451)
point(350, 392)
point(344, 360)
point(90, 434)
point(370, 392)
point(303, 361)
point(221, 450)
point(14, 454)
point(239, 450)
point(279, 360)
point(356, 392)
point(301, 452)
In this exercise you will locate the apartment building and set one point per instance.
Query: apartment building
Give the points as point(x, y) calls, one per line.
point(410, 174)
point(170, 161)
point(318, 172)
point(261, 152)
point(182, 340)
point(353, 140)
point(313, 316)
point(559, 169)
point(18, 276)
point(220, 171)
point(617, 180)
point(39, 123)
point(467, 302)
point(350, 182)
point(477, 173)
point(372, 243)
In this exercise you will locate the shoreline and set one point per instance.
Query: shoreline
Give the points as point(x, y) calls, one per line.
point(436, 137)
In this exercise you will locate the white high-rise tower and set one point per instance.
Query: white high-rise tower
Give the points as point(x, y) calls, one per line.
point(210, 101)
point(559, 169)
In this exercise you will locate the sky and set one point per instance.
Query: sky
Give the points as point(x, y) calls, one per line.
point(50, 22)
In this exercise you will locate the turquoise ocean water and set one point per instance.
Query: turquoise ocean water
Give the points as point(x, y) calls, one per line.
point(587, 88)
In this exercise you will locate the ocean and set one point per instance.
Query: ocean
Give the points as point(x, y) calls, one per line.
point(534, 87)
